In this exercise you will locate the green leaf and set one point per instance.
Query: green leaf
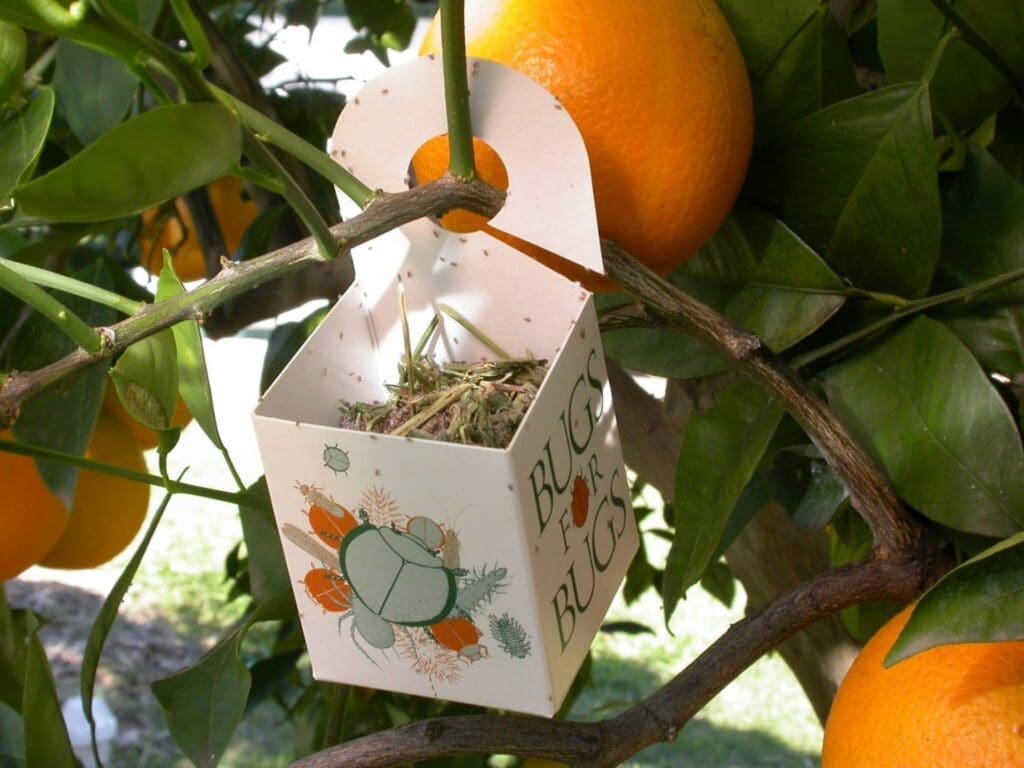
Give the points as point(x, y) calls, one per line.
point(46, 738)
point(268, 574)
point(62, 417)
point(719, 582)
point(22, 136)
point(12, 59)
point(722, 448)
point(12, 739)
point(924, 408)
point(204, 704)
point(144, 161)
point(761, 35)
point(978, 602)
point(984, 237)
point(146, 380)
point(107, 615)
point(193, 376)
point(812, 70)
point(386, 25)
point(94, 91)
point(966, 87)
point(756, 272)
point(857, 180)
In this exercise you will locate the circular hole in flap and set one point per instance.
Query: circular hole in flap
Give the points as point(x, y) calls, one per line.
point(431, 161)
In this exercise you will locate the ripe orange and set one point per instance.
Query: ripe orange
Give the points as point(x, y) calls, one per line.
point(660, 94)
point(955, 706)
point(31, 518)
point(145, 437)
point(106, 511)
point(234, 212)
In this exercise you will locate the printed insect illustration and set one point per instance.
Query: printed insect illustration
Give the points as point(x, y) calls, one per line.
point(400, 585)
point(336, 459)
point(580, 501)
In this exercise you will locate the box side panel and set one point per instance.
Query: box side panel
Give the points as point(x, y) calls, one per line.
point(408, 565)
point(575, 500)
point(338, 360)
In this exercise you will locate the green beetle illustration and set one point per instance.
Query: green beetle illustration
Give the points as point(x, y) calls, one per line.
point(395, 579)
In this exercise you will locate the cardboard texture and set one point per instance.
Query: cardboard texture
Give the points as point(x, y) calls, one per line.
point(470, 574)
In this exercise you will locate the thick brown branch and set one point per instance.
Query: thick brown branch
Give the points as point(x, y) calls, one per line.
point(382, 215)
point(657, 718)
point(896, 533)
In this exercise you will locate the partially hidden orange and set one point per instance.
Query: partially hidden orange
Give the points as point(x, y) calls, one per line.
point(953, 706)
point(234, 212)
point(106, 511)
point(660, 93)
point(32, 519)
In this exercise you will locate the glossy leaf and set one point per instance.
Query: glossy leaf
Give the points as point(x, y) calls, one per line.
point(762, 35)
point(756, 272)
point(722, 448)
point(22, 135)
point(984, 237)
point(966, 87)
point(61, 417)
point(108, 613)
point(812, 70)
point(142, 162)
point(921, 404)
point(857, 180)
point(46, 738)
point(146, 380)
point(978, 602)
point(204, 704)
point(93, 91)
point(12, 59)
point(193, 376)
point(268, 574)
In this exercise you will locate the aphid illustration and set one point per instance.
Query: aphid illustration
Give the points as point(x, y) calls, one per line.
point(328, 590)
point(580, 501)
point(336, 459)
point(459, 634)
point(510, 636)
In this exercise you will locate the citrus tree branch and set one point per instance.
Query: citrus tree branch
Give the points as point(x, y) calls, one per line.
point(386, 212)
point(657, 718)
point(895, 532)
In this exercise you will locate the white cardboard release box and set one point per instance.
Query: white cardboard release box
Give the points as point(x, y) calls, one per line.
point(470, 574)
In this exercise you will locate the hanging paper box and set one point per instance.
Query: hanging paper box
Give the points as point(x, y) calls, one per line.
point(471, 574)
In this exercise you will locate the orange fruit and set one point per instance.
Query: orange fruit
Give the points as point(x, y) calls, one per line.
point(660, 94)
point(106, 511)
point(234, 212)
point(954, 706)
point(144, 436)
point(32, 519)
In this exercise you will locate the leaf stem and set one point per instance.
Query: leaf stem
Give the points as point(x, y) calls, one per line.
point(937, 54)
point(980, 44)
point(462, 164)
point(965, 294)
point(274, 133)
point(172, 486)
point(71, 324)
point(48, 279)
